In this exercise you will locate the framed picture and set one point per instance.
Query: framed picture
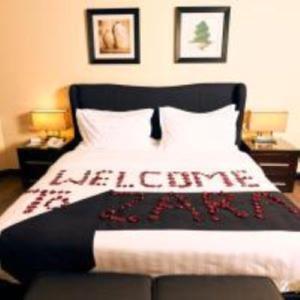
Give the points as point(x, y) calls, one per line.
point(113, 35)
point(201, 34)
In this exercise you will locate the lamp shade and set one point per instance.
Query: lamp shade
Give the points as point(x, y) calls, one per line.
point(268, 121)
point(49, 119)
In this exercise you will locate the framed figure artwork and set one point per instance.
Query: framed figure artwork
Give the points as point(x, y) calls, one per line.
point(201, 34)
point(113, 35)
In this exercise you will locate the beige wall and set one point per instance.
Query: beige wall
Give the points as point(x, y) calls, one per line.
point(2, 144)
point(43, 49)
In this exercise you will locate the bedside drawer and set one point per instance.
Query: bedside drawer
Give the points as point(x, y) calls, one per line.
point(276, 158)
point(284, 183)
point(271, 168)
point(35, 169)
point(276, 163)
point(39, 155)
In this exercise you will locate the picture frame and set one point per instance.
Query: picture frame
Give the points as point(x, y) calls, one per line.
point(201, 34)
point(113, 36)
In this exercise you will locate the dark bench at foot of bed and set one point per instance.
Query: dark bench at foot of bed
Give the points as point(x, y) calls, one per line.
point(9, 291)
point(90, 287)
point(215, 288)
point(136, 287)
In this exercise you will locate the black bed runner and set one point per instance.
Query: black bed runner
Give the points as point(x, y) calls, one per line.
point(62, 239)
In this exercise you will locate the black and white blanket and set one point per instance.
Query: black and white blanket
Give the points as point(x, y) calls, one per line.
point(215, 219)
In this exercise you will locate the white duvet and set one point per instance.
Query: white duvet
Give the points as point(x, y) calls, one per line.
point(86, 171)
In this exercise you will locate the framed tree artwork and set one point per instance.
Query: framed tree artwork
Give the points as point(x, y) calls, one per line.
point(201, 34)
point(113, 36)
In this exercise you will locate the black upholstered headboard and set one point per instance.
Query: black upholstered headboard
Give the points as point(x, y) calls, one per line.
point(196, 97)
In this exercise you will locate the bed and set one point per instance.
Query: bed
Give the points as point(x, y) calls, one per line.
point(153, 212)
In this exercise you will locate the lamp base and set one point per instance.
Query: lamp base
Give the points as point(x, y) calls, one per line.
point(264, 139)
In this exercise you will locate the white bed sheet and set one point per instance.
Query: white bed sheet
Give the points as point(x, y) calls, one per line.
point(268, 253)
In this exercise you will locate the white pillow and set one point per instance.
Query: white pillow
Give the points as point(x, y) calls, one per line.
point(198, 131)
point(110, 130)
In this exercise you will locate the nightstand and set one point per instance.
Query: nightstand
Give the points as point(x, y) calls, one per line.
point(279, 162)
point(35, 161)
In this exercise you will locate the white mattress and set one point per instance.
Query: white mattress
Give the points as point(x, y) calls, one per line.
point(269, 253)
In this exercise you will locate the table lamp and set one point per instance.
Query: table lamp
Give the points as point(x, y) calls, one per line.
point(265, 123)
point(51, 121)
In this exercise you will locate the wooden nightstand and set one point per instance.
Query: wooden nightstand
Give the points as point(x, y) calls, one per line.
point(279, 162)
point(34, 162)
